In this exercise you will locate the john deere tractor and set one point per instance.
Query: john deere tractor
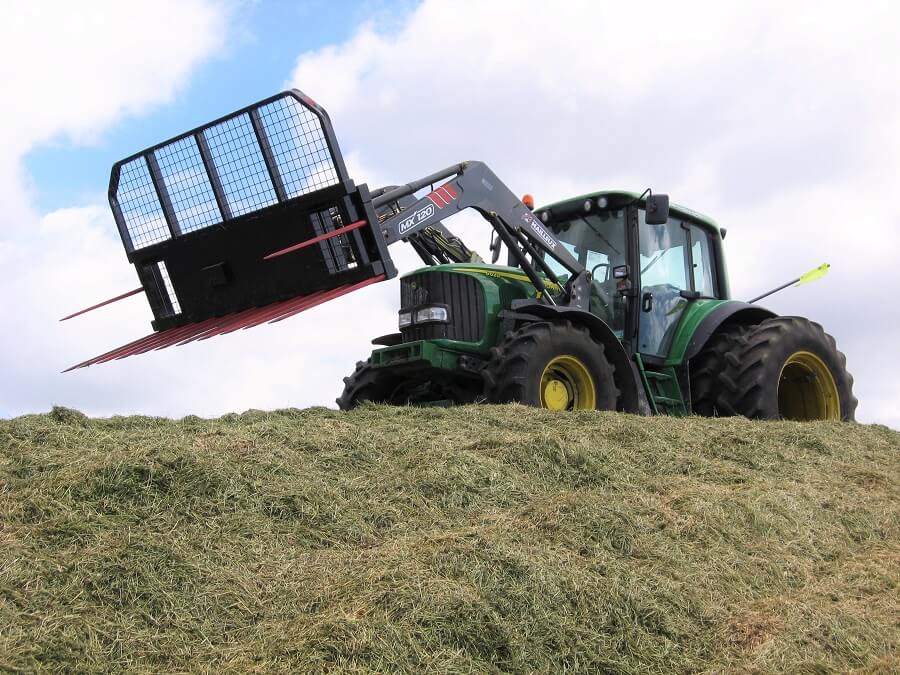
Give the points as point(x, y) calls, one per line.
point(651, 328)
point(608, 301)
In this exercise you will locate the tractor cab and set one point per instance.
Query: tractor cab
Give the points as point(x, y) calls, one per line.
point(643, 274)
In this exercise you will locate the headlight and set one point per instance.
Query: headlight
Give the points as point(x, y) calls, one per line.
point(404, 319)
point(431, 314)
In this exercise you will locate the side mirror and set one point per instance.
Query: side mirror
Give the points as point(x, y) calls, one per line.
point(621, 272)
point(657, 209)
point(623, 283)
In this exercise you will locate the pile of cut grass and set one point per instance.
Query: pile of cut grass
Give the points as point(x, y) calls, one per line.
point(447, 540)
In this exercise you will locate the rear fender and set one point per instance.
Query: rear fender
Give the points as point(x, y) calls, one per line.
point(727, 314)
point(631, 395)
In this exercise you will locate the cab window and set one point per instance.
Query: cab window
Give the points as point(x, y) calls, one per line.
point(557, 266)
point(664, 259)
point(598, 242)
point(701, 255)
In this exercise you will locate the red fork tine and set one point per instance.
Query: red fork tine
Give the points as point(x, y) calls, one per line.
point(229, 323)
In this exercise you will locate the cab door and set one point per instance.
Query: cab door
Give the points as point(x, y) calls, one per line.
point(675, 266)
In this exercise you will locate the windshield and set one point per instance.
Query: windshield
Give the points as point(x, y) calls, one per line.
point(597, 240)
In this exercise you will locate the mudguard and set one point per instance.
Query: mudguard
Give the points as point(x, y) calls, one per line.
point(631, 394)
point(729, 313)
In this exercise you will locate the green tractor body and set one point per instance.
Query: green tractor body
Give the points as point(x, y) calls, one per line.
point(660, 308)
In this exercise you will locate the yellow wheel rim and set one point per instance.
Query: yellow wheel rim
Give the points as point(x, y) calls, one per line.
point(807, 390)
point(566, 384)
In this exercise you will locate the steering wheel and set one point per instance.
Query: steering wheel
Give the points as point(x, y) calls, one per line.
point(605, 276)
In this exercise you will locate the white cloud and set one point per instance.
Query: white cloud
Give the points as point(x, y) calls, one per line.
point(779, 120)
point(74, 68)
point(68, 71)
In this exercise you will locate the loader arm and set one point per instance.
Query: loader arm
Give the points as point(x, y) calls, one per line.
point(473, 185)
point(435, 244)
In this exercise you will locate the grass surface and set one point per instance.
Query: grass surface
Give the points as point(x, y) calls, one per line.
point(448, 540)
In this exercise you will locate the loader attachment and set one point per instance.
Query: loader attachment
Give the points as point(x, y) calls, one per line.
point(247, 219)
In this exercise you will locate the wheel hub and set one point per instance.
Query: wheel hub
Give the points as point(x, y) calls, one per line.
point(566, 384)
point(556, 395)
point(807, 390)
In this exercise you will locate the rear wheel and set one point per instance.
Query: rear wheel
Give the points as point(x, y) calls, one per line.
point(783, 368)
point(705, 369)
point(557, 366)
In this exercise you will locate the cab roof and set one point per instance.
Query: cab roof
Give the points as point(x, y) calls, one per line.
point(622, 197)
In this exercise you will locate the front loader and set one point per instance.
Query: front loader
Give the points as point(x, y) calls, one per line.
point(610, 301)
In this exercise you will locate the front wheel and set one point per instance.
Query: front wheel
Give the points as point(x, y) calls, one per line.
point(383, 385)
point(557, 366)
point(367, 384)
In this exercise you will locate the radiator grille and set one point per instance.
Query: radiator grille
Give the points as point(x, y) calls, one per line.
point(461, 293)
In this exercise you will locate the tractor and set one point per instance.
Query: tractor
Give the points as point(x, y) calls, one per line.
point(608, 301)
point(656, 331)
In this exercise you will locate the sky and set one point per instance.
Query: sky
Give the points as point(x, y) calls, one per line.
point(780, 120)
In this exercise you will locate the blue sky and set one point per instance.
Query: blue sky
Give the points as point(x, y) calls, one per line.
point(265, 39)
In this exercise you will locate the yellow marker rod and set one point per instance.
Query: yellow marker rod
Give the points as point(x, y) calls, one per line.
point(812, 275)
